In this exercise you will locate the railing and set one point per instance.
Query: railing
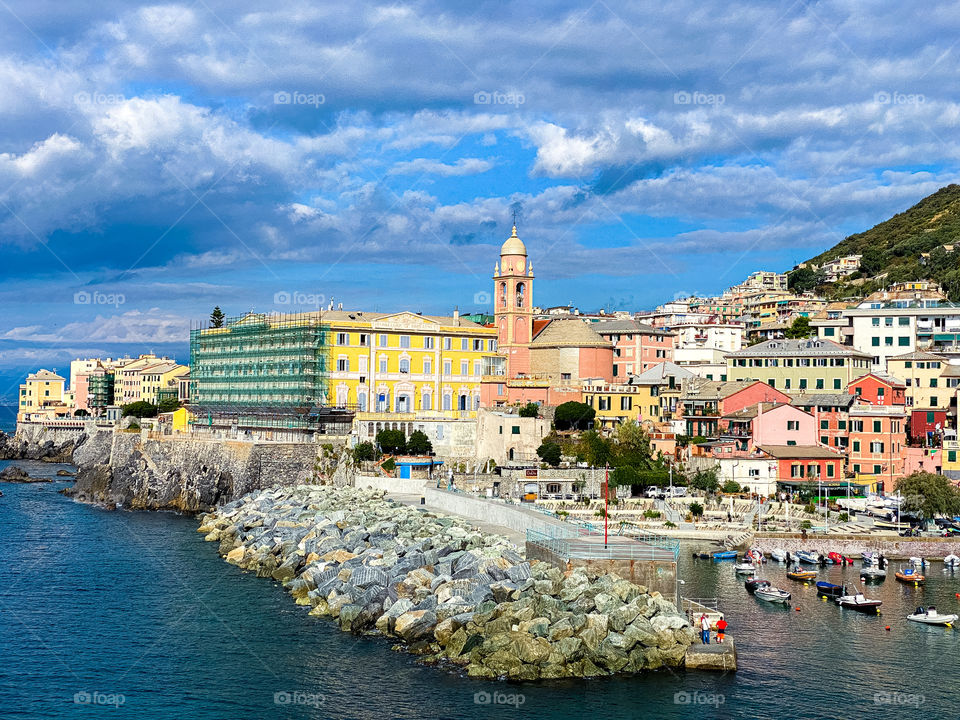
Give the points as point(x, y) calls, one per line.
point(560, 541)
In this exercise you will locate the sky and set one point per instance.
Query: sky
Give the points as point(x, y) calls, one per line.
point(157, 160)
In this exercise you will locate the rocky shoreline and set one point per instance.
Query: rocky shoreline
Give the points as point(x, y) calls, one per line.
point(445, 591)
point(14, 447)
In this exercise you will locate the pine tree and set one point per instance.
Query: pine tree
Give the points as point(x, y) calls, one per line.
point(216, 317)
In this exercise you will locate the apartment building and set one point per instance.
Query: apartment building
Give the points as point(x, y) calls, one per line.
point(798, 365)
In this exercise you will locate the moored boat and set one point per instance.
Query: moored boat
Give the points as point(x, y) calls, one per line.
point(772, 594)
point(802, 574)
point(808, 556)
point(951, 560)
point(830, 590)
point(725, 555)
point(839, 559)
point(859, 603)
point(930, 616)
point(918, 561)
point(910, 577)
point(740, 568)
point(870, 573)
point(754, 584)
point(779, 554)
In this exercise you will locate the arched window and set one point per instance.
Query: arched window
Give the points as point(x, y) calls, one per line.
point(503, 294)
point(520, 294)
point(404, 365)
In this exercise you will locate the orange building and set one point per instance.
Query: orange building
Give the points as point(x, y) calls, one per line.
point(879, 388)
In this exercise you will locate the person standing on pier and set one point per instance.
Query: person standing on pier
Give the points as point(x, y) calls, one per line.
point(721, 628)
point(704, 630)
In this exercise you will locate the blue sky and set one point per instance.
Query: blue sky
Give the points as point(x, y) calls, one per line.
point(158, 160)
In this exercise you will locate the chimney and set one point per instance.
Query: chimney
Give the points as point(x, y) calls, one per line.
point(456, 315)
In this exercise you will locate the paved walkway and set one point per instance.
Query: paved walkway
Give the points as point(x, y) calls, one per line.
point(513, 536)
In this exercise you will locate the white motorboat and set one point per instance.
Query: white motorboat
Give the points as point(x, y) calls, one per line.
point(870, 558)
point(869, 572)
point(808, 556)
point(951, 560)
point(859, 602)
point(930, 616)
point(780, 555)
point(918, 561)
point(772, 594)
point(745, 568)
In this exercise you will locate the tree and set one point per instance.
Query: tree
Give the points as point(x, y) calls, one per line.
point(364, 451)
point(419, 443)
point(731, 486)
point(633, 445)
point(530, 410)
point(929, 495)
point(573, 416)
point(802, 280)
point(799, 329)
point(168, 405)
point(392, 442)
point(624, 476)
point(216, 317)
point(140, 409)
point(705, 480)
point(597, 450)
point(550, 453)
point(696, 509)
point(81, 413)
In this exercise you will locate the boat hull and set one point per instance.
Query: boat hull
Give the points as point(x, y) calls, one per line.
point(937, 620)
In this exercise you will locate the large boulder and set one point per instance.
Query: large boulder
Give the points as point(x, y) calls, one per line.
point(416, 625)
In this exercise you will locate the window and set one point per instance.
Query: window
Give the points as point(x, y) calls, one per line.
point(383, 365)
point(448, 402)
point(447, 368)
point(343, 364)
point(830, 470)
point(933, 400)
point(951, 455)
point(772, 382)
point(501, 388)
point(842, 424)
point(876, 447)
point(881, 392)
point(464, 343)
point(856, 468)
point(626, 403)
point(565, 376)
point(930, 417)
point(754, 472)
point(515, 430)
point(903, 341)
point(908, 364)
point(786, 384)
point(875, 341)
point(819, 383)
point(478, 345)
point(836, 383)
point(476, 367)
point(427, 366)
point(877, 469)
point(382, 341)
point(428, 343)
point(464, 367)
point(603, 402)
point(824, 440)
point(404, 341)
point(888, 322)
point(793, 424)
point(343, 338)
point(856, 446)
point(888, 341)
point(447, 343)
point(904, 321)
point(813, 470)
point(856, 426)
point(803, 383)
point(404, 365)
point(828, 332)
point(933, 382)
point(796, 470)
point(491, 345)
point(875, 322)
point(824, 424)
point(426, 403)
point(364, 339)
point(877, 426)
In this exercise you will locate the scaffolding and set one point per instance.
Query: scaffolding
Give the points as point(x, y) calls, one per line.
point(261, 370)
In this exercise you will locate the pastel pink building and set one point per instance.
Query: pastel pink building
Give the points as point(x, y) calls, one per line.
point(81, 392)
point(637, 347)
point(772, 424)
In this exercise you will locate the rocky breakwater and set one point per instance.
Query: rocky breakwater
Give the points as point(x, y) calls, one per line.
point(445, 591)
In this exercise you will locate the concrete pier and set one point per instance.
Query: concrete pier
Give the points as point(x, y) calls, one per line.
point(716, 656)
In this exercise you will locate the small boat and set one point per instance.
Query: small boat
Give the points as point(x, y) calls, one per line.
point(870, 558)
point(830, 590)
point(701, 555)
point(951, 560)
point(772, 594)
point(930, 616)
point(870, 573)
point(802, 574)
point(725, 555)
point(754, 556)
point(780, 555)
point(918, 561)
point(754, 584)
point(839, 559)
point(808, 556)
point(859, 603)
point(910, 577)
point(745, 568)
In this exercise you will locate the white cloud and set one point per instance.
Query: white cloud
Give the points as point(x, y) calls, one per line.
point(425, 166)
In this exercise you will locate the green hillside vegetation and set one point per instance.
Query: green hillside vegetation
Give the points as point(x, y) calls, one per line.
point(891, 250)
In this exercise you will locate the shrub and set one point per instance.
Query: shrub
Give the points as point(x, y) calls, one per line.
point(651, 514)
point(731, 486)
point(392, 442)
point(550, 453)
point(806, 525)
point(364, 451)
point(843, 517)
point(573, 415)
point(530, 410)
point(810, 509)
point(419, 443)
point(669, 524)
point(389, 465)
point(140, 409)
point(696, 509)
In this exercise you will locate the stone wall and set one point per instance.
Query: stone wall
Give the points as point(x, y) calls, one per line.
point(895, 548)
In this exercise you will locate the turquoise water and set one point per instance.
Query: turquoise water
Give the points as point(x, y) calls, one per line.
point(8, 418)
point(116, 614)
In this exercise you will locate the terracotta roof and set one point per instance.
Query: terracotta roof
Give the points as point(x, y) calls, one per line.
point(917, 355)
point(569, 332)
point(799, 452)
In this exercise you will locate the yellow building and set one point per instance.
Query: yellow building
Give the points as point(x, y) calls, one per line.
point(160, 380)
point(42, 392)
point(921, 372)
point(799, 365)
point(617, 403)
point(950, 465)
point(387, 365)
point(128, 384)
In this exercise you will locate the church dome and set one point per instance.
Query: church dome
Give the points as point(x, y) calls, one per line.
point(514, 245)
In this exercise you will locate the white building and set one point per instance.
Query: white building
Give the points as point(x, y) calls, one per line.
point(885, 330)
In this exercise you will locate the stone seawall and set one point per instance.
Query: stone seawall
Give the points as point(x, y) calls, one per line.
point(137, 471)
point(893, 547)
point(38, 442)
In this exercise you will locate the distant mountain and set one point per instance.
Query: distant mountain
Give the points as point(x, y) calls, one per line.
point(892, 250)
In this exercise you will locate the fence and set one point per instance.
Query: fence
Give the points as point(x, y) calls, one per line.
point(563, 542)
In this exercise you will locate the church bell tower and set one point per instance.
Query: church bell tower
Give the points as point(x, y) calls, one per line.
point(513, 305)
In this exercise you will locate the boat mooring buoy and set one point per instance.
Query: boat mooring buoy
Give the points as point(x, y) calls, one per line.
point(797, 609)
point(887, 628)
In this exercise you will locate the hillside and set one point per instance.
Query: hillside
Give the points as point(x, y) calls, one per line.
point(892, 248)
